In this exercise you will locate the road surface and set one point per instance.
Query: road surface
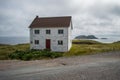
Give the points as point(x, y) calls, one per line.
point(104, 66)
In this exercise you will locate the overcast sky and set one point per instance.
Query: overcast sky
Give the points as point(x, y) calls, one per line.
point(97, 17)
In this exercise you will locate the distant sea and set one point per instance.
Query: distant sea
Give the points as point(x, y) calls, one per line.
point(14, 40)
point(21, 40)
point(109, 38)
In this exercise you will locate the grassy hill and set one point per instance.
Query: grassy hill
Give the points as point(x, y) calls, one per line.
point(79, 47)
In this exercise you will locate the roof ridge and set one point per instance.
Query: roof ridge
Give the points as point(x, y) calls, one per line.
point(54, 17)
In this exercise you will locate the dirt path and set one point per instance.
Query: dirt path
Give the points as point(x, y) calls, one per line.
point(105, 66)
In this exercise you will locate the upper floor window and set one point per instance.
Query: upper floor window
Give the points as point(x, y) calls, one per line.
point(48, 32)
point(36, 41)
point(36, 31)
point(60, 31)
point(60, 42)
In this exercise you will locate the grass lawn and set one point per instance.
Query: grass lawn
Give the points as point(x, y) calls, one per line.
point(86, 47)
point(79, 47)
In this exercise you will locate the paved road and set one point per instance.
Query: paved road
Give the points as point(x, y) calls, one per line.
point(104, 66)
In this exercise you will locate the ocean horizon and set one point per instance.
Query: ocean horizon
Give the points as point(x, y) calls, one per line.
point(109, 38)
point(14, 40)
point(22, 40)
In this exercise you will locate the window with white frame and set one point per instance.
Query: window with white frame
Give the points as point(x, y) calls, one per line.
point(36, 41)
point(36, 31)
point(60, 42)
point(60, 31)
point(48, 31)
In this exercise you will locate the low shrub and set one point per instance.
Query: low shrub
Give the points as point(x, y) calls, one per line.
point(16, 55)
point(27, 57)
point(34, 54)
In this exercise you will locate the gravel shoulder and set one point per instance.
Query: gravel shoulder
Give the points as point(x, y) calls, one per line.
point(103, 66)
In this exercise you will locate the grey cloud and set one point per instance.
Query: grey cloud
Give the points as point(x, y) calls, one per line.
point(87, 19)
point(116, 10)
point(104, 11)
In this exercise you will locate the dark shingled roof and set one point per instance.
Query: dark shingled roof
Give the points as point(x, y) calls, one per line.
point(51, 22)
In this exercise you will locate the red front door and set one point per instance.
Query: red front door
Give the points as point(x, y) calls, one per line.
point(47, 43)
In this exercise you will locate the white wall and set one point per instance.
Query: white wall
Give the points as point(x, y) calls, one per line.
point(69, 38)
point(54, 37)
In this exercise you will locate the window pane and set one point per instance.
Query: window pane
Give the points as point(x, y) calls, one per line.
point(36, 31)
point(36, 41)
point(48, 32)
point(60, 31)
point(60, 42)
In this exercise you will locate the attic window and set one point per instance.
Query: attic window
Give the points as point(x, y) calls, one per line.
point(48, 32)
point(60, 31)
point(36, 31)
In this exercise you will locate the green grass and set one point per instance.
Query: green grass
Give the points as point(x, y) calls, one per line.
point(86, 47)
point(5, 50)
point(79, 47)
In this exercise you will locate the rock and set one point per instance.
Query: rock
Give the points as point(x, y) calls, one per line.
point(86, 37)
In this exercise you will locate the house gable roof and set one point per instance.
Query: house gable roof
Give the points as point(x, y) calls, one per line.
point(51, 22)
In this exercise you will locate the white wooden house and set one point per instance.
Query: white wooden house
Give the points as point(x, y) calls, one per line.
point(52, 33)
